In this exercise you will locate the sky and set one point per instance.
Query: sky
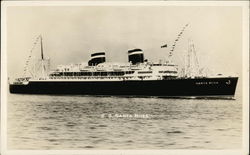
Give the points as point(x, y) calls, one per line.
point(72, 33)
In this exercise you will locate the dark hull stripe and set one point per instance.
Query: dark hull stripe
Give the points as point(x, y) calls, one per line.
point(175, 87)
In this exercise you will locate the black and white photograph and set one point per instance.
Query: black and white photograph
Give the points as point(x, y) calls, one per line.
point(124, 77)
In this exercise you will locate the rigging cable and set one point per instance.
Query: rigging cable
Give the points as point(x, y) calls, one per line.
point(28, 59)
point(176, 40)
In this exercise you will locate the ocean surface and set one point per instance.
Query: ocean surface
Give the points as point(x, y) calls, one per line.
point(94, 122)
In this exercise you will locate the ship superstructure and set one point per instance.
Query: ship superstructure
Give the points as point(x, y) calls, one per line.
point(97, 69)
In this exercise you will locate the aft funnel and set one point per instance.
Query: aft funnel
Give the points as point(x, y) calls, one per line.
point(97, 58)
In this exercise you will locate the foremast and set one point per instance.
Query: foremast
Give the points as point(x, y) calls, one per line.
point(191, 69)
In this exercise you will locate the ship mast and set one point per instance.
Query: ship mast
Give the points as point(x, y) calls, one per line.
point(41, 39)
point(39, 70)
point(42, 58)
point(192, 67)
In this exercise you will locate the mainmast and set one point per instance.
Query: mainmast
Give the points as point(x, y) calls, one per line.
point(42, 59)
point(41, 39)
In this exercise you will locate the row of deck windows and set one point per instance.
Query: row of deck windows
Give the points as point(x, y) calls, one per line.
point(167, 71)
point(145, 72)
point(92, 73)
point(79, 77)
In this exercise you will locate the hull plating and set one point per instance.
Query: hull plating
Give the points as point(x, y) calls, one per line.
point(171, 87)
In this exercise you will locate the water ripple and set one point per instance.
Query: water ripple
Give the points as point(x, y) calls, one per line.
point(77, 122)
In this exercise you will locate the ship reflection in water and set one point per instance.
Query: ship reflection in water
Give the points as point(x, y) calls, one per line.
point(90, 122)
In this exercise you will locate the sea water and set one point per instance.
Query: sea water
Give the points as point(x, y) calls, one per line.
point(94, 122)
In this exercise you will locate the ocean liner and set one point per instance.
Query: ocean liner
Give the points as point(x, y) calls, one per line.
point(137, 77)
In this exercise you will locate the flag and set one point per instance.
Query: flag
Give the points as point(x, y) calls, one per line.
point(164, 46)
